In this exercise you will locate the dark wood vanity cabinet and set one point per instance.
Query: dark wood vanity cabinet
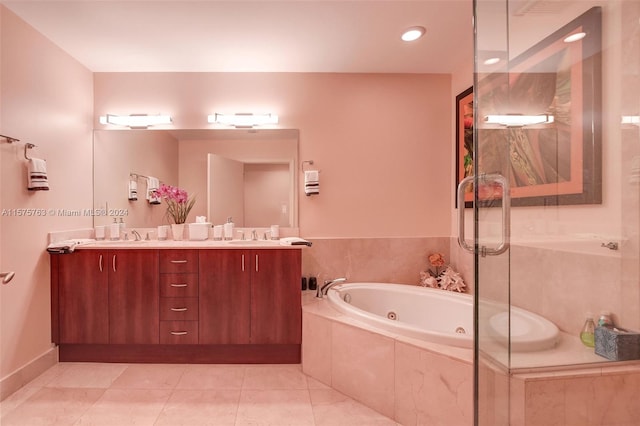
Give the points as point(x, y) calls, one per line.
point(250, 297)
point(177, 305)
point(179, 297)
point(276, 310)
point(133, 297)
point(82, 297)
point(106, 297)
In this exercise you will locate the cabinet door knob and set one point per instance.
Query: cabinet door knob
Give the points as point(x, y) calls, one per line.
point(179, 333)
point(178, 261)
point(179, 309)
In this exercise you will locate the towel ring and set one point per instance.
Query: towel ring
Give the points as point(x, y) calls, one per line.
point(310, 162)
point(26, 147)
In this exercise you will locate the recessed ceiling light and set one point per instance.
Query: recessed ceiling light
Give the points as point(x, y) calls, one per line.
point(413, 33)
point(574, 37)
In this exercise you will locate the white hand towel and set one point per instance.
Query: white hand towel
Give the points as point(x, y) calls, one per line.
point(152, 185)
point(37, 175)
point(133, 190)
point(311, 182)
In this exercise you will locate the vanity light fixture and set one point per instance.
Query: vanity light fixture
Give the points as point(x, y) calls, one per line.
point(631, 119)
point(513, 120)
point(135, 121)
point(243, 119)
point(413, 33)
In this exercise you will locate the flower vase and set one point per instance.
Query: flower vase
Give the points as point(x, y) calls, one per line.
point(177, 230)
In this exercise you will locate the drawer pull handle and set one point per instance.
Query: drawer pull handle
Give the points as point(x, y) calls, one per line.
point(178, 285)
point(179, 309)
point(179, 333)
point(178, 261)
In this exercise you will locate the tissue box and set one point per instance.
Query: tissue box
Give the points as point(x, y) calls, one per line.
point(199, 231)
point(617, 344)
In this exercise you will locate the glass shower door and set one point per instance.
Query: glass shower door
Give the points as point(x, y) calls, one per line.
point(556, 101)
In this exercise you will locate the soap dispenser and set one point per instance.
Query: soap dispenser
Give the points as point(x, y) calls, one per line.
point(228, 229)
point(114, 230)
point(122, 227)
point(588, 331)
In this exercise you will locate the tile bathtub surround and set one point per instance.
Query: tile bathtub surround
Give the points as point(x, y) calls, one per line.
point(411, 381)
point(181, 394)
point(392, 260)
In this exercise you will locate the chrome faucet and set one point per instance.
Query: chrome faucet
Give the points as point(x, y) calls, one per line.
point(137, 235)
point(322, 291)
point(254, 235)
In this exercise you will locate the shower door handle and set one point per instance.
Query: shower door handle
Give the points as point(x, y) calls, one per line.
point(461, 187)
point(485, 179)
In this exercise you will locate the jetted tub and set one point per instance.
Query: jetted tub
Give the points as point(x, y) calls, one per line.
point(439, 316)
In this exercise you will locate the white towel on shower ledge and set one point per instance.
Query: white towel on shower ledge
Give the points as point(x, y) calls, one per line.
point(37, 179)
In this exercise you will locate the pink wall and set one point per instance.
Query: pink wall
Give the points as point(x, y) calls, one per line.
point(381, 141)
point(51, 101)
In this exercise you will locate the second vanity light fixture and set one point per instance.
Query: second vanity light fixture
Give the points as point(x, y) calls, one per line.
point(135, 121)
point(514, 120)
point(243, 119)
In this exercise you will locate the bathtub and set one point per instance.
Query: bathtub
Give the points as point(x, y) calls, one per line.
point(440, 316)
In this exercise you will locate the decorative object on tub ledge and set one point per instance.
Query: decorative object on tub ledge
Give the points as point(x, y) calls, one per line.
point(179, 204)
point(441, 275)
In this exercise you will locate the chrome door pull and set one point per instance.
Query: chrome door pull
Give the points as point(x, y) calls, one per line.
point(179, 309)
point(100, 263)
point(178, 261)
point(178, 285)
point(506, 213)
point(179, 333)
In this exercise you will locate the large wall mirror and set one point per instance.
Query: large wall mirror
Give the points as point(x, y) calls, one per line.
point(247, 174)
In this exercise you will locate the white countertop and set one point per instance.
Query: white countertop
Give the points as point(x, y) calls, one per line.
point(186, 244)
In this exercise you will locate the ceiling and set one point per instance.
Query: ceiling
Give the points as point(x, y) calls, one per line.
point(256, 36)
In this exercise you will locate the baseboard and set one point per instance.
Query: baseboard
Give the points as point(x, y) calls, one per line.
point(19, 378)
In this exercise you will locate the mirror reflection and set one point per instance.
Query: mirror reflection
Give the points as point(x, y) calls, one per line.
point(249, 175)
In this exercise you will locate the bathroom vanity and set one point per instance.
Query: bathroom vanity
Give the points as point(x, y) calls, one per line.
point(184, 303)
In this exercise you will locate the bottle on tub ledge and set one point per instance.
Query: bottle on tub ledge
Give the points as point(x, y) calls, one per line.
point(587, 334)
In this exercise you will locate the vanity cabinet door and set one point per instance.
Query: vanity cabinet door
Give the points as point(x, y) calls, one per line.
point(276, 308)
point(134, 296)
point(83, 294)
point(224, 302)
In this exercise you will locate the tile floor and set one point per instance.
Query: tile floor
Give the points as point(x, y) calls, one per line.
point(181, 394)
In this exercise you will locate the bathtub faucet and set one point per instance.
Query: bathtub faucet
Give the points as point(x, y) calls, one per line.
point(322, 291)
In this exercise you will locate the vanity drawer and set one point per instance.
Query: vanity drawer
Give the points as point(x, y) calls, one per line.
point(179, 308)
point(178, 261)
point(178, 332)
point(179, 285)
